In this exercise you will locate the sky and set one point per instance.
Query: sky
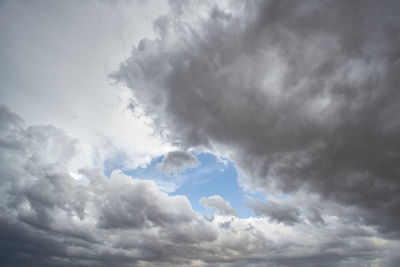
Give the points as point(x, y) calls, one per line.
point(199, 133)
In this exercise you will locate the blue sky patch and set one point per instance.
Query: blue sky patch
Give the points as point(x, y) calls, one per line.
point(211, 177)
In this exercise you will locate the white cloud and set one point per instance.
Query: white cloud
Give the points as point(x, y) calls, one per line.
point(177, 161)
point(55, 58)
point(218, 204)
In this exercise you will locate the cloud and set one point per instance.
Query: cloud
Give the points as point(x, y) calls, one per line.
point(279, 212)
point(218, 204)
point(47, 218)
point(9, 120)
point(301, 96)
point(64, 222)
point(178, 161)
point(54, 37)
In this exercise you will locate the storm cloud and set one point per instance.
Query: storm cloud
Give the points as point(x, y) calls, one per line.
point(302, 96)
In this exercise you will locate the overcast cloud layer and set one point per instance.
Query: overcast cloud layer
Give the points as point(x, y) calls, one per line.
point(302, 96)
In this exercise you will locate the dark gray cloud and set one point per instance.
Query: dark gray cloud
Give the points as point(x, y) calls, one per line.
point(218, 204)
point(177, 161)
point(279, 212)
point(301, 96)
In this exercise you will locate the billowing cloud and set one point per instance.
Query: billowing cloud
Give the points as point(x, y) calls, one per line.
point(218, 204)
point(177, 161)
point(62, 222)
point(48, 218)
point(301, 96)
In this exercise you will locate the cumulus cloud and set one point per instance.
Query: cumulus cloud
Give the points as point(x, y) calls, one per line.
point(178, 161)
point(47, 218)
point(301, 96)
point(218, 204)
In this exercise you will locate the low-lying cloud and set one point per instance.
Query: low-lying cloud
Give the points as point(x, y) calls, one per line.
point(48, 218)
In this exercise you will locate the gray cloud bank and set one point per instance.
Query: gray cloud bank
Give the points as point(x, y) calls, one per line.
point(303, 95)
point(47, 218)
